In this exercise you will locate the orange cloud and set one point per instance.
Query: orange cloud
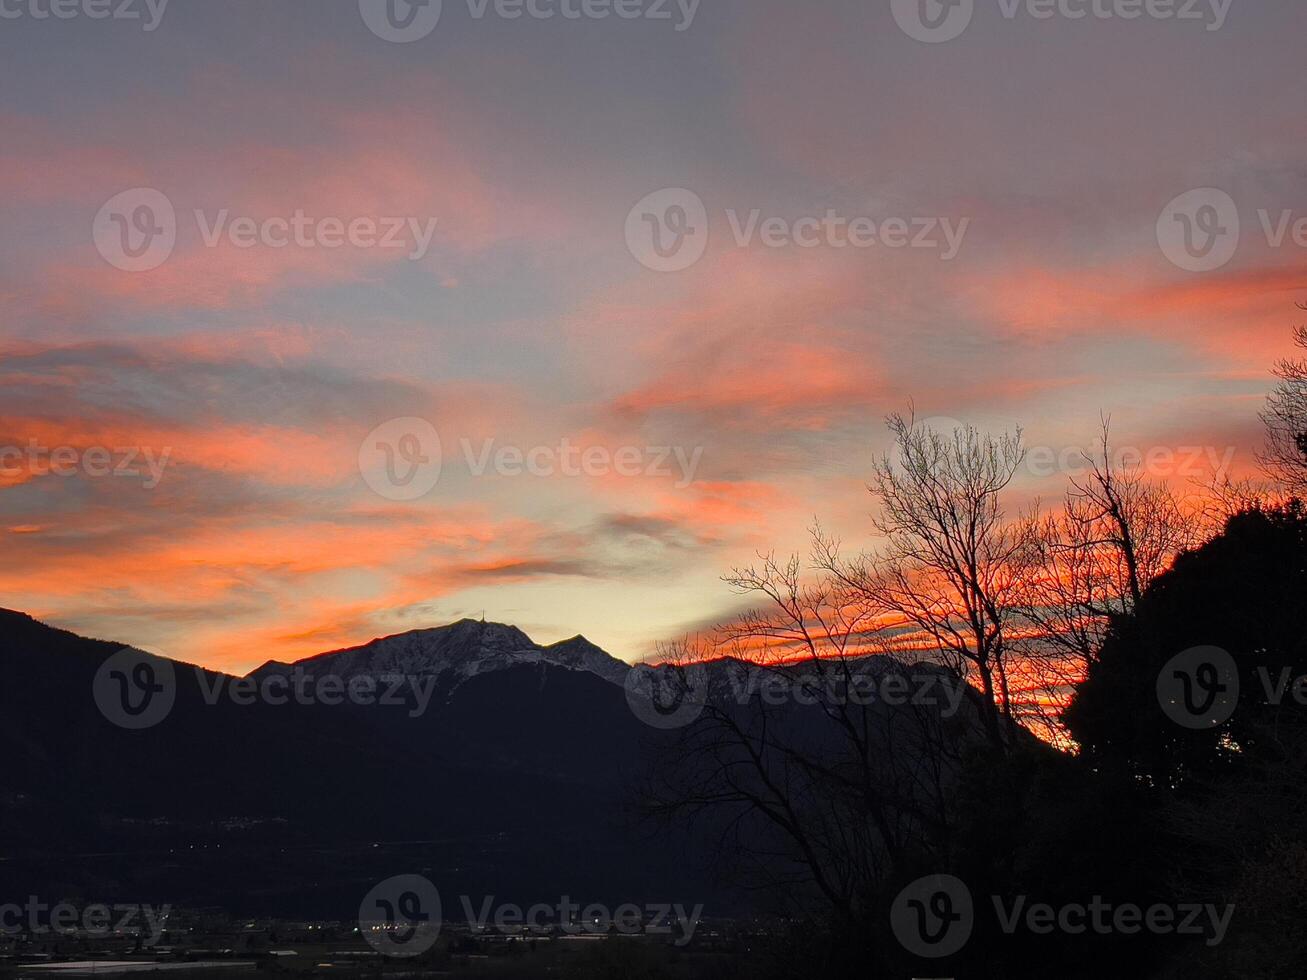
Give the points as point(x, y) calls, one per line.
point(1195, 310)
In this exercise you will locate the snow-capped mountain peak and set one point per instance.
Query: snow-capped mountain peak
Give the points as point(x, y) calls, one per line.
point(455, 653)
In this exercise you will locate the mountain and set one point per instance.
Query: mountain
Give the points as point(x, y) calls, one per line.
point(454, 654)
point(515, 781)
point(503, 768)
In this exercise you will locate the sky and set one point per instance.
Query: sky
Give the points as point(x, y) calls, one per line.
point(321, 321)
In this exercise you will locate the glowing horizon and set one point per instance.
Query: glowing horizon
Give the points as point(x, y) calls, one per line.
point(723, 405)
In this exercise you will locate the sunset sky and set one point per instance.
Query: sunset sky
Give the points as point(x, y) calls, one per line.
point(260, 370)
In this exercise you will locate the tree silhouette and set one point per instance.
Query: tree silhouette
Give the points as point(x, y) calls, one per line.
point(949, 563)
point(1285, 454)
point(1222, 804)
point(1090, 561)
point(1242, 591)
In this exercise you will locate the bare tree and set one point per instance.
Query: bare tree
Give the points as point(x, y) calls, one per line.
point(1224, 498)
point(816, 793)
point(1116, 532)
point(948, 565)
point(1285, 454)
point(1089, 561)
point(824, 798)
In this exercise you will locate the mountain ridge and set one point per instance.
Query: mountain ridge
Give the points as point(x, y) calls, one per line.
point(461, 649)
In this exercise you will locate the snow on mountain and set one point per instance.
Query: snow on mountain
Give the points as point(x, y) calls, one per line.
point(456, 652)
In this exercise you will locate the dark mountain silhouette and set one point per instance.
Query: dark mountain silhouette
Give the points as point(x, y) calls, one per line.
point(516, 779)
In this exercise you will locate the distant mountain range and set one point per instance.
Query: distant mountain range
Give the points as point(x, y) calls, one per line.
point(516, 780)
point(456, 653)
